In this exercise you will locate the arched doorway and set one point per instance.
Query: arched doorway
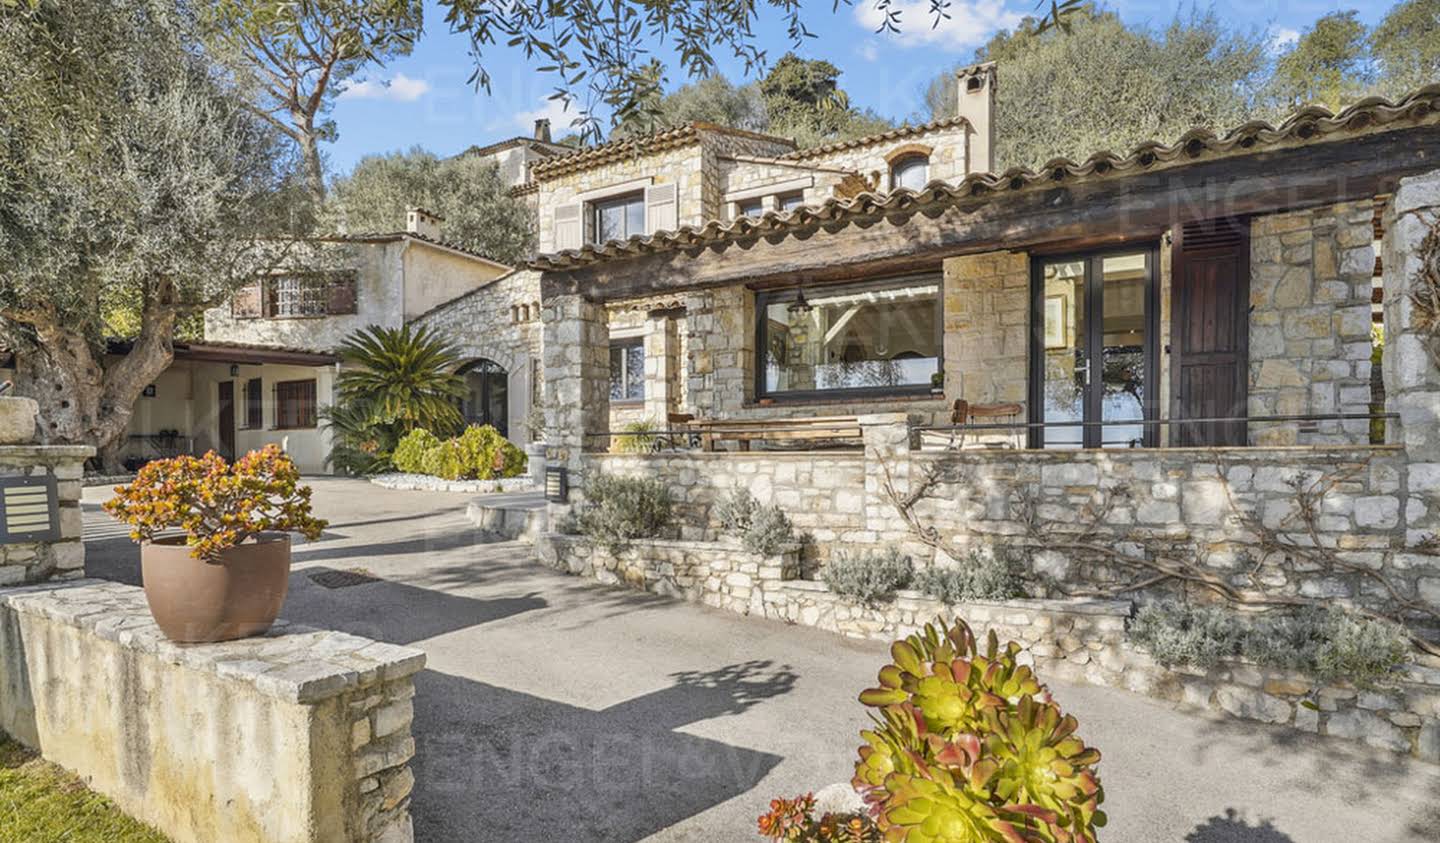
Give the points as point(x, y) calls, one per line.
point(486, 394)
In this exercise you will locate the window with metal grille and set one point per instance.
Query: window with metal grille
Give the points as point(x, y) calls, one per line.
point(294, 404)
point(254, 406)
point(298, 295)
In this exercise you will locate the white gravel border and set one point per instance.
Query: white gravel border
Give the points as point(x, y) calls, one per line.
point(430, 483)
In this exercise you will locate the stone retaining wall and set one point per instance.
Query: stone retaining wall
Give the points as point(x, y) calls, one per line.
point(33, 562)
point(298, 736)
point(1071, 640)
point(430, 483)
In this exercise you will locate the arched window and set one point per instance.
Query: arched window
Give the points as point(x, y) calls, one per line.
point(910, 171)
point(486, 394)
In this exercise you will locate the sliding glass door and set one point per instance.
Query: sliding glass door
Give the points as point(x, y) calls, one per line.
point(1093, 373)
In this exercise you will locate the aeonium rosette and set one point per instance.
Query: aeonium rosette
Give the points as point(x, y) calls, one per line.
point(219, 505)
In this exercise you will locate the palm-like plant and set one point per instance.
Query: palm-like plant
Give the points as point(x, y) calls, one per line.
point(358, 447)
point(402, 377)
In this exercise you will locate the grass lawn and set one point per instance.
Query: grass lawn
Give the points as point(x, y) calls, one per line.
point(41, 803)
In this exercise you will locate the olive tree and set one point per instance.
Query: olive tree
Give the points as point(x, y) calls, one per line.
point(131, 178)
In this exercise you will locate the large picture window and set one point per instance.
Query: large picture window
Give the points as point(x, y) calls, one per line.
point(882, 337)
point(627, 369)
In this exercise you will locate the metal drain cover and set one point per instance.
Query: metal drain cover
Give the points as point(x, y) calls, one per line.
point(342, 579)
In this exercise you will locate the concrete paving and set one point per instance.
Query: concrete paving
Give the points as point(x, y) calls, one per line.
point(556, 709)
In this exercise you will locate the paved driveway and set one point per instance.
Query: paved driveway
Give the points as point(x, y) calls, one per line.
point(554, 709)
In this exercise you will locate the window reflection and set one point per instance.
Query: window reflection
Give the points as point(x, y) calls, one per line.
point(873, 337)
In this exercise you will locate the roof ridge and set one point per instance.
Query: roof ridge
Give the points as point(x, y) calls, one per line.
point(902, 131)
point(1305, 125)
point(657, 141)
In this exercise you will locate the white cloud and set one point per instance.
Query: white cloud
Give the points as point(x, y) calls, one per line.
point(552, 110)
point(869, 51)
point(1282, 38)
point(400, 89)
point(969, 24)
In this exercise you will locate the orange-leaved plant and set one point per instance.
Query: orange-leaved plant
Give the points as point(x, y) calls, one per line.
point(217, 504)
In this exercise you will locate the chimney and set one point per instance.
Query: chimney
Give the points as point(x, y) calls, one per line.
point(976, 103)
point(542, 129)
point(423, 223)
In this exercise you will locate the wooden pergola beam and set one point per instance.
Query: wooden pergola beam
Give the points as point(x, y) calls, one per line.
point(1096, 210)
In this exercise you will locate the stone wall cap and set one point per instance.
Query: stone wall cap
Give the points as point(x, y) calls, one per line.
point(292, 663)
point(883, 418)
point(46, 452)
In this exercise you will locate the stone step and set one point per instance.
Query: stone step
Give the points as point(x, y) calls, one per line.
point(518, 516)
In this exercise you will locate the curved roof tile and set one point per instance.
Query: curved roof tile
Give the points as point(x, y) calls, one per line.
point(1309, 124)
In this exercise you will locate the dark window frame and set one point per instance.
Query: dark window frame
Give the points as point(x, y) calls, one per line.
point(306, 417)
point(797, 195)
point(595, 207)
point(768, 297)
point(757, 203)
point(626, 343)
point(254, 397)
point(1094, 342)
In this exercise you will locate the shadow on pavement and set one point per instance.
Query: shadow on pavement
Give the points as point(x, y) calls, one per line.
point(497, 764)
point(393, 611)
point(1233, 828)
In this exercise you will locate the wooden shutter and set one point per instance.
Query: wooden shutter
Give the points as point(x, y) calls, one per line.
point(248, 302)
point(254, 406)
point(568, 233)
point(341, 297)
point(1210, 331)
point(661, 208)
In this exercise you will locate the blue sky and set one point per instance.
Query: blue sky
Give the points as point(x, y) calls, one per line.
point(424, 99)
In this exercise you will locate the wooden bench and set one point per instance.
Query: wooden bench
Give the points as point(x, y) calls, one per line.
point(745, 431)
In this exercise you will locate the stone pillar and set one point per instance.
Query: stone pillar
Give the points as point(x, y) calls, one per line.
point(26, 562)
point(577, 377)
point(661, 362)
point(721, 351)
point(1412, 381)
point(987, 315)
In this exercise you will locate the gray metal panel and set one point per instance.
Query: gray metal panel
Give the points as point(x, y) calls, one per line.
point(29, 509)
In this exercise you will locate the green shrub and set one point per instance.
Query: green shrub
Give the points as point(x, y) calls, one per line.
point(410, 452)
point(480, 453)
point(765, 530)
point(618, 509)
point(981, 577)
point(1328, 644)
point(640, 441)
point(870, 576)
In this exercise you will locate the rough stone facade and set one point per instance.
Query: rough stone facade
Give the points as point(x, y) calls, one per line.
point(987, 327)
point(300, 735)
point(35, 562)
point(1310, 346)
point(1193, 502)
point(500, 322)
point(1073, 640)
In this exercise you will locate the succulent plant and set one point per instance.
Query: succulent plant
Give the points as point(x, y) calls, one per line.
point(969, 746)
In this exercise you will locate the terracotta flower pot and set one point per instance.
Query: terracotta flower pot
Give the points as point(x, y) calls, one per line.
point(235, 596)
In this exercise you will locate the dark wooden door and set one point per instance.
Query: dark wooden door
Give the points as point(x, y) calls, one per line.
point(227, 419)
point(1210, 331)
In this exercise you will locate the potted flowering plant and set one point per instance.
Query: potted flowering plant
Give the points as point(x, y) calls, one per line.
point(227, 576)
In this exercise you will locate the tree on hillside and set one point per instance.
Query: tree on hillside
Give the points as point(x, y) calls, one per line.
point(1406, 46)
point(293, 58)
point(1329, 65)
point(798, 98)
point(1104, 85)
point(132, 179)
point(466, 190)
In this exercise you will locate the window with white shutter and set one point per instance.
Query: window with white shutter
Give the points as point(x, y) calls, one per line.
point(568, 230)
point(661, 208)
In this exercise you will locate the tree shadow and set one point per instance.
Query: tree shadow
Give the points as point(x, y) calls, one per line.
point(395, 612)
point(497, 764)
point(1234, 828)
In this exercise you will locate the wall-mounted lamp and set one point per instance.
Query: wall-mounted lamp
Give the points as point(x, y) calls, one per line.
point(234, 370)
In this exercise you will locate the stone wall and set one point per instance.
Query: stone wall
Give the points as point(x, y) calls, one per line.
point(1310, 322)
point(1073, 640)
point(500, 322)
point(1197, 503)
point(33, 562)
point(297, 736)
point(987, 320)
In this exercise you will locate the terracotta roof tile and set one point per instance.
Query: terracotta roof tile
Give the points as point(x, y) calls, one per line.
point(1308, 125)
point(644, 145)
point(881, 137)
